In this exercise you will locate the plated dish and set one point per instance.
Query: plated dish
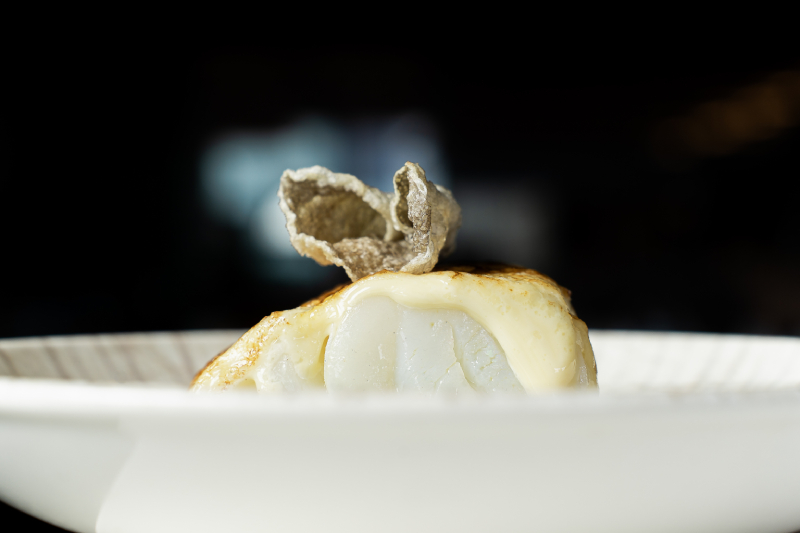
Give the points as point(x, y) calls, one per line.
point(689, 432)
point(418, 398)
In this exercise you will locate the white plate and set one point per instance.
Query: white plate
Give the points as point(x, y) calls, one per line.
point(690, 433)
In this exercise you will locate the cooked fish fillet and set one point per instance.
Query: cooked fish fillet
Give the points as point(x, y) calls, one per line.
point(457, 331)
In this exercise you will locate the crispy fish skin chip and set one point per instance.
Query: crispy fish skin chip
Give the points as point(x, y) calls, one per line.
point(427, 214)
point(337, 219)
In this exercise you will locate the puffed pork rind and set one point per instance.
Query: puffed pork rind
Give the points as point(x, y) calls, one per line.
point(337, 219)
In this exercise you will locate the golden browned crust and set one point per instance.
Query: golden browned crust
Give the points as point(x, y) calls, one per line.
point(241, 355)
point(310, 303)
point(493, 269)
point(207, 365)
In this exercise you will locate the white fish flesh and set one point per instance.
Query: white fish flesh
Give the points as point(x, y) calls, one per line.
point(451, 332)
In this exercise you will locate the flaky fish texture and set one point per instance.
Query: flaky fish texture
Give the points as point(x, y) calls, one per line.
point(459, 330)
point(337, 219)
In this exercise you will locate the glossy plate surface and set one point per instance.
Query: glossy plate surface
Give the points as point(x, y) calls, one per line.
point(689, 433)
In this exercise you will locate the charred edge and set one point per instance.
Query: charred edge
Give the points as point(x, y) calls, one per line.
point(209, 364)
point(479, 268)
point(325, 295)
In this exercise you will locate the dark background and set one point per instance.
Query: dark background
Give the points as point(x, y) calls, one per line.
point(663, 193)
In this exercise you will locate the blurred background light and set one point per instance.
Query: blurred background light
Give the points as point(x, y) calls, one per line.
point(161, 214)
point(718, 127)
point(241, 168)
